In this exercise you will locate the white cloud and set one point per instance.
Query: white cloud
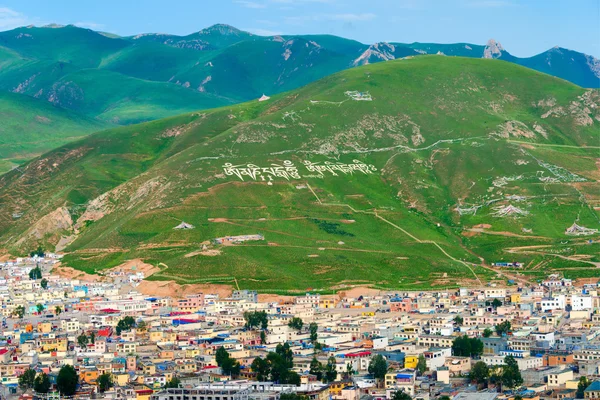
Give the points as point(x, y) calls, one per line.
point(250, 4)
point(90, 25)
point(263, 32)
point(10, 19)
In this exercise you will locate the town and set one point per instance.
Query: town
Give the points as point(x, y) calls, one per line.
point(69, 338)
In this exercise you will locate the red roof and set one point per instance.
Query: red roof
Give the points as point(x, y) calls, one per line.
point(3, 351)
point(358, 354)
point(105, 332)
point(109, 310)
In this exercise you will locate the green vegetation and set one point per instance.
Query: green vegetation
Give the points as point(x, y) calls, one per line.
point(42, 384)
point(229, 366)
point(27, 379)
point(378, 367)
point(67, 380)
point(105, 382)
point(60, 84)
point(479, 373)
point(256, 319)
point(125, 324)
point(277, 366)
point(31, 127)
point(464, 346)
point(449, 148)
point(296, 323)
point(35, 273)
point(503, 328)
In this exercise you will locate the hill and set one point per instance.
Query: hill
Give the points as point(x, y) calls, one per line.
point(216, 66)
point(31, 127)
point(407, 174)
point(126, 80)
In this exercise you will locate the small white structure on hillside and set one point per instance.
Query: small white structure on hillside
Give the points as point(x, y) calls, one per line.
point(264, 98)
point(184, 225)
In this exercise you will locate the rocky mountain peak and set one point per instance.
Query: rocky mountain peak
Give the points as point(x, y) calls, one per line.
point(222, 29)
point(493, 49)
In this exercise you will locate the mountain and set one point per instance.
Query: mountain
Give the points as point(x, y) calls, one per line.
point(31, 127)
point(412, 173)
point(127, 80)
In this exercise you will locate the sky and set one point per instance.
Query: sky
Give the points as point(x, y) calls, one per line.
point(523, 27)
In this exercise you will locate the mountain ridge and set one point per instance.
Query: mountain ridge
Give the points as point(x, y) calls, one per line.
point(387, 170)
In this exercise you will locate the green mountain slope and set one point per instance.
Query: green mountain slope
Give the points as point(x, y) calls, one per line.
point(405, 174)
point(31, 127)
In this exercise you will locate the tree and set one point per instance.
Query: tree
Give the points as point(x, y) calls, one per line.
point(26, 379)
point(464, 346)
point(57, 310)
point(584, 382)
point(261, 367)
point(221, 355)
point(401, 395)
point(296, 323)
point(444, 397)
point(67, 380)
point(35, 273)
point(378, 367)
point(496, 303)
point(487, 332)
point(256, 319)
point(173, 383)
point(125, 324)
point(511, 376)
point(421, 364)
point(286, 354)
point(458, 320)
point(142, 326)
point(518, 397)
point(316, 368)
point(349, 372)
point(330, 370)
point(480, 373)
point(19, 311)
point(229, 365)
point(503, 328)
point(92, 338)
point(44, 283)
point(39, 307)
point(263, 337)
point(313, 328)
point(82, 340)
point(105, 382)
point(42, 384)
point(38, 252)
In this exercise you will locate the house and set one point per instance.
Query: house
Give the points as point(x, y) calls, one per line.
point(592, 391)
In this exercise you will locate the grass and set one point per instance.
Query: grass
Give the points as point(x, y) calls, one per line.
point(431, 135)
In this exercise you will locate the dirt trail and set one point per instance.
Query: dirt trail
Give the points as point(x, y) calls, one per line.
point(374, 213)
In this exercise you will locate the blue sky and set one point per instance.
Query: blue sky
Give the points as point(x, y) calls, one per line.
point(524, 27)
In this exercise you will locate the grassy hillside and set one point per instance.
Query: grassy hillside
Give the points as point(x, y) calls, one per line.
point(126, 80)
point(31, 127)
point(406, 174)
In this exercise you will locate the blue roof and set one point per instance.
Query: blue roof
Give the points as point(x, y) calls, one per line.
point(595, 386)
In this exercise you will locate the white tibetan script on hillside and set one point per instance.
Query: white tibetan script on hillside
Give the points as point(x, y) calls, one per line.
point(288, 170)
point(334, 168)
